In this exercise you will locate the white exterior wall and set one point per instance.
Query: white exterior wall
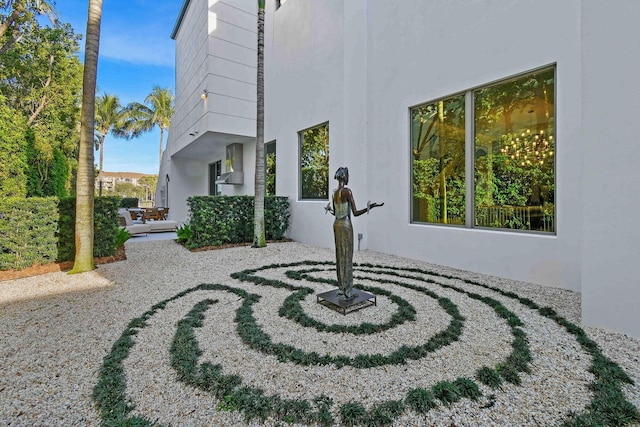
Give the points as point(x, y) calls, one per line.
point(445, 48)
point(611, 153)
point(304, 87)
point(360, 65)
point(216, 53)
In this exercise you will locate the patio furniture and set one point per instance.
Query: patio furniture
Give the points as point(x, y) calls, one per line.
point(154, 219)
point(136, 214)
point(151, 214)
point(127, 223)
point(163, 212)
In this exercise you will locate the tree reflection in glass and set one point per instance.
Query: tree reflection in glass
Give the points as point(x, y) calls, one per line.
point(514, 151)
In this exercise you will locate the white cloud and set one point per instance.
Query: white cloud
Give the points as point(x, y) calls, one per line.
point(138, 49)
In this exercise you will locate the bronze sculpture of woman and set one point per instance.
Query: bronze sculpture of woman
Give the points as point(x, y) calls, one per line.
point(343, 205)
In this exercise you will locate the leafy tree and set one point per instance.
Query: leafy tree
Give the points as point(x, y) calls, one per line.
point(259, 240)
point(514, 167)
point(439, 160)
point(127, 189)
point(146, 187)
point(314, 163)
point(157, 110)
point(85, 181)
point(270, 173)
point(149, 184)
point(13, 155)
point(40, 77)
point(110, 117)
point(60, 175)
point(20, 12)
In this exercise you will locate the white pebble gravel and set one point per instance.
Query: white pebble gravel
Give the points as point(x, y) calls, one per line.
point(56, 329)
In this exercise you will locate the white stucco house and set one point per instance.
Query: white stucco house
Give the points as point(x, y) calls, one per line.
point(399, 90)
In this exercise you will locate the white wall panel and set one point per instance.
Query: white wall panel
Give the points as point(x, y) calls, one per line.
point(611, 242)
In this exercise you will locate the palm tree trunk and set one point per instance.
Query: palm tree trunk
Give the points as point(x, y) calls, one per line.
point(259, 240)
point(161, 139)
point(85, 180)
point(100, 169)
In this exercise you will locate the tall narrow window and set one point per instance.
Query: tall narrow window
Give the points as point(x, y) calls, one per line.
point(314, 163)
point(270, 168)
point(438, 169)
point(514, 138)
point(215, 170)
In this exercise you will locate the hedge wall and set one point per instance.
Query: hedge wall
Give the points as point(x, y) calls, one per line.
point(129, 202)
point(28, 231)
point(42, 230)
point(216, 220)
point(105, 227)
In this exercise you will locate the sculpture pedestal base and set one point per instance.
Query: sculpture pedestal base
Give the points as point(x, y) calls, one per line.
point(360, 300)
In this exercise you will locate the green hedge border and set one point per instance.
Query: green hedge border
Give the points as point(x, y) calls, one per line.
point(218, 220)
point(42, 230)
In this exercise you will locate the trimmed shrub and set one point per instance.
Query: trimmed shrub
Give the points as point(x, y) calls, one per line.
point(27, 231)
point(216, 220)
point(105, 227)
point(129, 202)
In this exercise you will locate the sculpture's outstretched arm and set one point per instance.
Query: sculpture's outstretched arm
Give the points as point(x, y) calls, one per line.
point(357, 212)
point(329, 209)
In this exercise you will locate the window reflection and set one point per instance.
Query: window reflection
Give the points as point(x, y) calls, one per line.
point(314, 163)
point(438, 170)
point(514, 153)
point(270, 168)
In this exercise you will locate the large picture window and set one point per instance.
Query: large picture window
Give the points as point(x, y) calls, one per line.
point(438, 140)
point(314, 163)
point(511, 148)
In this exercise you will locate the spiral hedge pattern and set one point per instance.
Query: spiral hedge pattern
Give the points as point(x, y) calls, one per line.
point(237, 304)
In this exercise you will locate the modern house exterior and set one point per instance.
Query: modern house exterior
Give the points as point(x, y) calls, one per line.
point(501, 136)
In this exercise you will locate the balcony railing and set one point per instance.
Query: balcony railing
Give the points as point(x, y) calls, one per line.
point(536, 218)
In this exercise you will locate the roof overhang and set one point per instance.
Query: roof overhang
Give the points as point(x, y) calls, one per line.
point(235, 178)
point(176, 26)
point(208, 144)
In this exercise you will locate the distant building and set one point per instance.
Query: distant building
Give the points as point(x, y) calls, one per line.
point(143, 191)
point(110, 179)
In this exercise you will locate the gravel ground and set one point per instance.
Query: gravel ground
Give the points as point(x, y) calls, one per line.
point(56, 329)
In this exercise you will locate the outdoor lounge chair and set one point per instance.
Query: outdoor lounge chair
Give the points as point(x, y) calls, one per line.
point(153, 218)
point(127, 223)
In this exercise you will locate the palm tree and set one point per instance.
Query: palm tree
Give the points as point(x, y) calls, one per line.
point(110, 117)
point(259, 240)
point(85, 178)
point(157, 110)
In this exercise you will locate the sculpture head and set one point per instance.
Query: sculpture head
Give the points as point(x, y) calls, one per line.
point(342, 174)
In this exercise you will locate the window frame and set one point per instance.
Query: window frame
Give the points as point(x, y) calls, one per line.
point(470, 154)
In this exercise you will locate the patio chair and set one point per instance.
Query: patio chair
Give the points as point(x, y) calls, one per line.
point(151, 214)
point(127, 223)
point(163, 212)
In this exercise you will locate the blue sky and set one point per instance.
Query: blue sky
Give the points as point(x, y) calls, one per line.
point(136, 53)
